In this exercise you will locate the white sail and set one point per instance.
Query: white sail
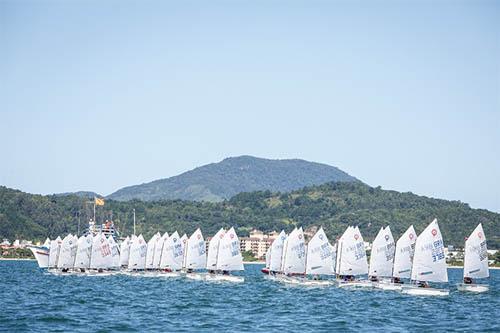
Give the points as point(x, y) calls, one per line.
point(295, 254)
point(101, 253)
point(268, 257)
point(382, 255)
point(403, 258)
point(352, 253)
point(476, 255)
point(195, 256)
point(54, 249)
point(83, 252)
point(429, 262)
point(319, 255)
point(67, 252)
point(159, 250)
point(333, 249)
point(125, 252)
point(277, 252)
point(151, 251)
point(283, 253)
point(115, 253)
point(339, 247)
point(138, 250)
point(46, 243)
point(173, 253)
point(229, 254)
point(213, 249)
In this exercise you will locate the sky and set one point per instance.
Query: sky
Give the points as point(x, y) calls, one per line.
point(98, 95)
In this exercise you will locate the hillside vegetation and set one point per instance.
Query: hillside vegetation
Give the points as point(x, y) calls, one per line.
point(333, 206)
point(218, 181)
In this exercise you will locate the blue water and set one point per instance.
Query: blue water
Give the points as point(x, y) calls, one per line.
point(36, 301)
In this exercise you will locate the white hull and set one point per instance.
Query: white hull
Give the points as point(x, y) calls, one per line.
point(103, 273)
point(418, 291)
point(355, 284)
point(195, 276)
point(388, 286)
point(224, 278)
point(475, 288)
point(41, 255)
point(170, 274)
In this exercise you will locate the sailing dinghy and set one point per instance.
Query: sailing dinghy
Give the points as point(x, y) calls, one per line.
point(275, 254)
point(83, 253)
point(293, 262)
point(429, 264)
point(55, 247)
point(318, 260)
point(382, 258)
point(403, 258)
point(115, 253)
point(213, 250)
point(228, 259)
point(125, 252)
point(475, 262)
point(159, 250)
point(67, 254)
point(351, 260)
point(150, 253)
point(172, 256)
point(195, 257)
point(138, 250)
point(101, 259)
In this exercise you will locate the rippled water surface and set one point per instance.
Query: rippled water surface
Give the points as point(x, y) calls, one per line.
point(36, 301)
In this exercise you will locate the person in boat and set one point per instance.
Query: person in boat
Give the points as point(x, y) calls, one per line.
point(65, 270)
point(467, 280)
point(211, 271)
point(397, 280)
point(190, 270)
point(423, 284)
point(373, 278)
point(100, 270)
point(316, 277)
point(225, 272)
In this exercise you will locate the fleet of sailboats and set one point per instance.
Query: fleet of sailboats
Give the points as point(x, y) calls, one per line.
point(408, 265)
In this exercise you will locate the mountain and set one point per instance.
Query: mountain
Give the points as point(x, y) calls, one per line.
point(333, 206)
point(218, 181)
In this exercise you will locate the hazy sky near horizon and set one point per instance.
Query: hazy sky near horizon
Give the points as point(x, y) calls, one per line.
point(97, 95)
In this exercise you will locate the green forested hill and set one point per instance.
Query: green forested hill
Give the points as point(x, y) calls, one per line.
point(218, 181)
point(332, 205)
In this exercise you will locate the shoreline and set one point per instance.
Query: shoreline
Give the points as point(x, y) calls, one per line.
point(21, 259)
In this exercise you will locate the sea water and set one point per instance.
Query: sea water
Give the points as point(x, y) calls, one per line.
point(34, 300)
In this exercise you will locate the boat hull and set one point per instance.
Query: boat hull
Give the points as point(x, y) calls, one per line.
point(195, 276)
point(388, 286)
point(474, 288)
point(224, 278)
point(41, 254)
point(419, 291)
point(355, 284)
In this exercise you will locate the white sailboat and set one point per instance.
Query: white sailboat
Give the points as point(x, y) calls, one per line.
point(150, 253)
point(172, 256)
point(475, 261)
point(319, 259)
point(213, 250)
point(115, 254)
point(351, 259)
point(403, 259)
point(125, 252)
point(54, 249)
point(382, 258)
point(195, 257)
point(276, 254)
point(101, 259)
point(83, 253)
point(228, 259)
point(137, 257)
point(266, 270)
point(159, 250)
point(294, 257)
point(41, 253)
point(429, 264)
point(67, 253)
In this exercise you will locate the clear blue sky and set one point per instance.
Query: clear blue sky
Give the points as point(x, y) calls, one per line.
point(97, 95)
